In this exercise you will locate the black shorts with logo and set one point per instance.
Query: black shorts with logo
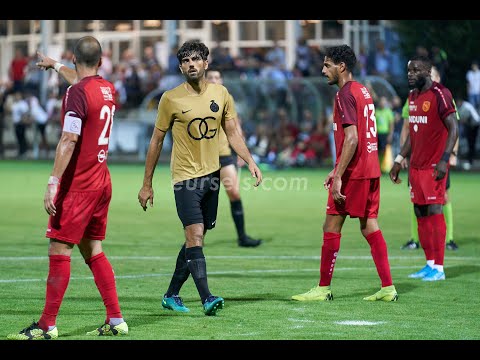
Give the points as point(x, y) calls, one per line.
point(197, 200)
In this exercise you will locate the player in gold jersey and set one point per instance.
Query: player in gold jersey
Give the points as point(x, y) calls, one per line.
point(229, 176)
point(194, 111)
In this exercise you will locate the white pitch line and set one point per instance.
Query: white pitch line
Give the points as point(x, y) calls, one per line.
point(301, 320)
point(359, 322)
point(232, 272)
point(242, 257)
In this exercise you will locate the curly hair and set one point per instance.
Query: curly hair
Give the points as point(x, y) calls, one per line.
point(342, 53)
point(192, 47)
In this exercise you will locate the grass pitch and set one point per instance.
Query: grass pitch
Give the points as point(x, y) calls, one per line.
point(287, 212)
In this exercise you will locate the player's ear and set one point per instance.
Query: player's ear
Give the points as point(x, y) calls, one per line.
point(180, 67)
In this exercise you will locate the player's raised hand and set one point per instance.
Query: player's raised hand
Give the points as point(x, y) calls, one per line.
point(44, 62)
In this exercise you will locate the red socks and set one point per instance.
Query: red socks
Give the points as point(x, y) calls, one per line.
point(378, 249)
point(330, 248)
point(105, 280)
point(57, 283)
point(439, 232)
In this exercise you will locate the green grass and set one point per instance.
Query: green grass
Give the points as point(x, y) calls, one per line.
point(256, 283)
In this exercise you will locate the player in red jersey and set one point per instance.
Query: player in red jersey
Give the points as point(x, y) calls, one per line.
point(433, 132)
point(79, 190)
point(354, 183)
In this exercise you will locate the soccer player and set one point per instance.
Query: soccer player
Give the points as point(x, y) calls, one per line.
point(194, 111)
point(79, 190)
point(413, 243)
point(354, 183)
point(433, 132)
point(229, 176)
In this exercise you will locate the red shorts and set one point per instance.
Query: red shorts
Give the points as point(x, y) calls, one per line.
point(80, 215)
point(424, 189)
point(362, 199)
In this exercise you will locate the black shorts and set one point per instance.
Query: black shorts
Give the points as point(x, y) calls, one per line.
point(228, 160)
point(197, 200)
point(382, 141)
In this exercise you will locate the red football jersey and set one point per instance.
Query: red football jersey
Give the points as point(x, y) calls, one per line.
point(354, 106)
point(428, 133)
point(91, 103)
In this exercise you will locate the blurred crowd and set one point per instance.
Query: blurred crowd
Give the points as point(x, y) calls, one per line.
point(274, 137)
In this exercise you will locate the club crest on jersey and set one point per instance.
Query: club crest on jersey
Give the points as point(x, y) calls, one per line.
point(213, 106)
point(107, 93)
point(199, 129)
point(426, 106)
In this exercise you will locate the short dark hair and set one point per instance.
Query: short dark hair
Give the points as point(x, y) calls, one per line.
point(190, 47)
point(342, 53)
point(88, 51)
point(210, 69)
point(423, 59)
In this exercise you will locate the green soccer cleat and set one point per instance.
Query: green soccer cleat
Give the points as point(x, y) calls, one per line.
point(387, 293)
point(212, 305)
point(109, 330)
point(174, 303)
point(33, 332)
point(318, 293)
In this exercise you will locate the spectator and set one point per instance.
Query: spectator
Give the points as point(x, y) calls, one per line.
point(303, 57)
point(17, 70)
point(21, 121)
point(470, 121)
point(473, 85)
point(39, 116)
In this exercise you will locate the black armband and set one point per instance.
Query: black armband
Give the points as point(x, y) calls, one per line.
point(446, 157)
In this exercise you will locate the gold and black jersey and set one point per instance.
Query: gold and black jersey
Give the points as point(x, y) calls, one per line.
point(195, 120)
point(225, 149)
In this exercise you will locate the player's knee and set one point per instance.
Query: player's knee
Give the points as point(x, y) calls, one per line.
point(233, 194)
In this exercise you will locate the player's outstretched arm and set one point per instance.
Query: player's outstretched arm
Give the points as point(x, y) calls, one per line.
point(45, 63)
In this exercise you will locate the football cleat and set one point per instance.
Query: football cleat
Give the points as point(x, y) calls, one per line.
point(434, 275)
point(387, 293)
point(410, 245)
point(451, 245)
point(247, 241)
point(317, 293)
point(174, 303)
point(33, 332)
point(110, 330)
point(213, 304)
point(421, 273)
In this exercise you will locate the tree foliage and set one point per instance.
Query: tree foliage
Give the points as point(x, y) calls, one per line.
point(458, 38)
